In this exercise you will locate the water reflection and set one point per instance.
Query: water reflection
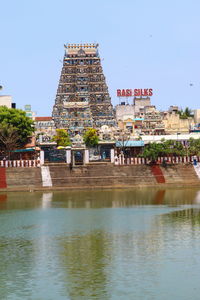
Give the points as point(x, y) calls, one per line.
point(16, 262)
point(20, 200)
point(84, 259)
point(46, 200)
point(189, 216)
point(159, 197)
point(197, 198)
point(124, 198)
point(3, 197)
point(128, 254)
point(98, 199)
point(119, 244)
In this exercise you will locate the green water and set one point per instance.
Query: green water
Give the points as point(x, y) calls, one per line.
point(121, 244)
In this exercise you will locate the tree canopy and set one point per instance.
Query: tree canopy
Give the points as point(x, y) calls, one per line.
point(185, 114)
point(9, 139)
point(194, 146)
point(153, 150)
point(15, 128)
point(91, 138)
point(61, 138)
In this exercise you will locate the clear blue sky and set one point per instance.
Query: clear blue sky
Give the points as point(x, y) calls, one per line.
point(143, 44)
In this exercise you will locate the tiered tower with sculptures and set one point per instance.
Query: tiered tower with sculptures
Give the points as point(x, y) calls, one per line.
point(82, 98)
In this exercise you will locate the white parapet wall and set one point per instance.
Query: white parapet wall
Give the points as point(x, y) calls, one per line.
point(20, 163)
point(41, 158)
point(174, 137)
point(86, 156)
point(112, 156)
point(68, 156)
point(46, 176)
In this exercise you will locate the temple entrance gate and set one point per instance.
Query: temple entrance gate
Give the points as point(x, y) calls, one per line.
point(78, 157)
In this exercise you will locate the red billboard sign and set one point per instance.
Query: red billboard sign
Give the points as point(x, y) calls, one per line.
point(134, 92)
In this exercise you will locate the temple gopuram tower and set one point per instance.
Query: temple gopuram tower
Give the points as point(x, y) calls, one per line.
point(82, 98)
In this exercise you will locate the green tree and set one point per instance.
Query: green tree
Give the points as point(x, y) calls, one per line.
point(185, 114)
point(167, 147)
point(9, 138)
point(61, 138)
point(153, 150)
point(194, 146)
point(178, 149)
point(91, 138)
point(14, 122)
point(173, 148)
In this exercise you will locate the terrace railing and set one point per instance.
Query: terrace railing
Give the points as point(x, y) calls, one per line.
point(19, 163)
point(121, 160)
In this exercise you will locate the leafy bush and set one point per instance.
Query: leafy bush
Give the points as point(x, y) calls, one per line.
point(91, 138)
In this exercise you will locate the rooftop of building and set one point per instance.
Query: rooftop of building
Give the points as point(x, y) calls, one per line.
point(142, 98)
point(175, 137)
point(83, 46)
point(74, 49)
point(43, 118)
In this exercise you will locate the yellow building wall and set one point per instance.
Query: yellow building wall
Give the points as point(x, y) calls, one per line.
point(174, 124)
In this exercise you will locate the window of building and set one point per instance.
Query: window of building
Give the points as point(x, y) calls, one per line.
point(83, 88)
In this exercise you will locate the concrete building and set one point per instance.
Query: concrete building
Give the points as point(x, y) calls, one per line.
point(147, 120)
point(140, 103)
point(153, 122)
point(127, 124)
point(125, 115)
point(6, 101)
point(44, 130)
point(174, 137)
point(124, 111)
point(197, 116)
point(29, 113)
point(173, 123)
point(44, 125)
point(138, 126)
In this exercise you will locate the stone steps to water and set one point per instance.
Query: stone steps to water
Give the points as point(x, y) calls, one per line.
point(23, 177)
point(180, 173)
point(3, 183)
point(60, 175)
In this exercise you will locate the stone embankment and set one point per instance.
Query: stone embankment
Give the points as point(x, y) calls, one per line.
point(60, 176)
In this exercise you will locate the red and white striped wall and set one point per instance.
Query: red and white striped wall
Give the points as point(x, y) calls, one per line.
point(19, 163)
point(121, 160)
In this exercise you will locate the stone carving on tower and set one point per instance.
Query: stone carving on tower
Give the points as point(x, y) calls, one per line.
point(82, 98)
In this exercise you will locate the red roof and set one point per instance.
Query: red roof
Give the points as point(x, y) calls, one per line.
point(43, 118)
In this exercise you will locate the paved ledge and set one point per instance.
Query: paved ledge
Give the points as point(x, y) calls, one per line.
point(111, 187)
point(97, 176)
